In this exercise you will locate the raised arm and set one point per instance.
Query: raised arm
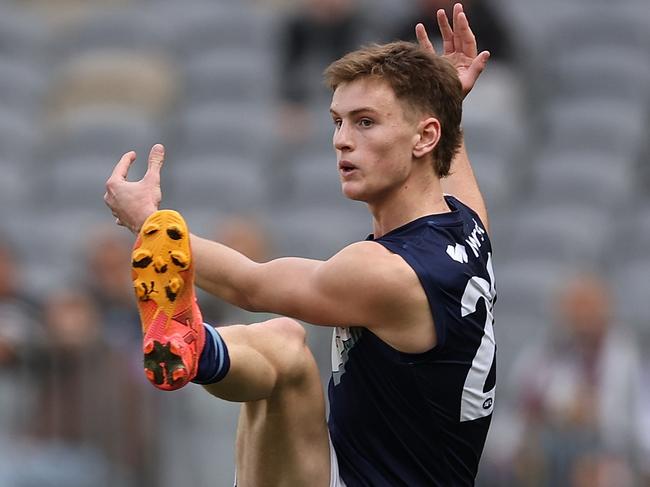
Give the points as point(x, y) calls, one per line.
point(459, 47)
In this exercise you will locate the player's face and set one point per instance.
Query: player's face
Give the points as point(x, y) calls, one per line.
point(373, 139)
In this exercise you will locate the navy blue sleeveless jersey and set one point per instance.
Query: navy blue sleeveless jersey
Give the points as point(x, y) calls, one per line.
point(400, 419)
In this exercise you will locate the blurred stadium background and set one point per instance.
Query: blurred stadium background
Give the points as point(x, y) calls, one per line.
point(557, 129)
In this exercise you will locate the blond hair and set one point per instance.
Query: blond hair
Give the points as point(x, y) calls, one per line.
point(428, 84)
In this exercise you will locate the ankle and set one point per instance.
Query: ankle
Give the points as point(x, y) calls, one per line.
point(214, 362)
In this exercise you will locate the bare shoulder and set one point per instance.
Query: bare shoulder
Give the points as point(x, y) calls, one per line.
point(390, 296)
point(364, 249)
point(373, 259)
point(378, 278)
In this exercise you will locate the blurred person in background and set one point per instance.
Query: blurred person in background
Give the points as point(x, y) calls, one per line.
point(580, 390)
point(410, 400)
point(72, 397)
point(20, 333)
point(86, 391)
point(317, 33)
point(109, 284)
point(246, 235)
point(601, 469)
point(487, 26)
point(18, 311)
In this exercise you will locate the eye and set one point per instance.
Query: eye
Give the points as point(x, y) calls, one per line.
point(337, 122)
point(366, 122)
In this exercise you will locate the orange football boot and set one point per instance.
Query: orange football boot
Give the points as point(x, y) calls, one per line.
point(163, 279)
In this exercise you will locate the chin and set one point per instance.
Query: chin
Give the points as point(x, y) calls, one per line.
point(352, 193)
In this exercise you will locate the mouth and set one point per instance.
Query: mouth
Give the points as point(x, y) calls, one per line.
point(346, 167)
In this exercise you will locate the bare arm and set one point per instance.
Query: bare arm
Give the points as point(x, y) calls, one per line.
point(459, 47)
point(363, 284)
point(462, 184)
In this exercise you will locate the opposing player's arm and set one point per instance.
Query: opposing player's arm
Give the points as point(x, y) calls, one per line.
point(364, 284)
point(459, 48)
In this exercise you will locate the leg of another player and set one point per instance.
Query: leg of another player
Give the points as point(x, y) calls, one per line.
point(282, 437)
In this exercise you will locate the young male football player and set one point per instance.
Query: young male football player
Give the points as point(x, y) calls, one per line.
point(412, 388)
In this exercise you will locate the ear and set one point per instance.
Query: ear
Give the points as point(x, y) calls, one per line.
point(428, 137)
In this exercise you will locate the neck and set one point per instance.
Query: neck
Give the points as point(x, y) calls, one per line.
point(407, 203)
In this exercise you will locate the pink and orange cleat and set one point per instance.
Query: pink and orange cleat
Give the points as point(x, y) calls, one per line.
point(163, 279)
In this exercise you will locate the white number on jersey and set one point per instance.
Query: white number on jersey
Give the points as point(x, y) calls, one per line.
point(475, 403)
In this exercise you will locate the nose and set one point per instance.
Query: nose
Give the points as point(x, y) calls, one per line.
point(343, 138)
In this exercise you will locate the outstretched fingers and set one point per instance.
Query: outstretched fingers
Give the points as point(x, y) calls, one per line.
point(423, 38)
point(458, 39)
point(465, 34)
point(478, 64)
point(446, 32)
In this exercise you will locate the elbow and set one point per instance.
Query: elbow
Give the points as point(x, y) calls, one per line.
point(246, 302)
point(248, 295)
point(240, 297)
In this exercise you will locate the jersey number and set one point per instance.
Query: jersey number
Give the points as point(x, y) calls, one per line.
point(475, 403)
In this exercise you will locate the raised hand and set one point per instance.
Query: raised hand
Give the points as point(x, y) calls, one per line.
point(132, 202)
point(458, 45)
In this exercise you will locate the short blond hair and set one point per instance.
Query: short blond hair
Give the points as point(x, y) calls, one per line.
point(428, 84)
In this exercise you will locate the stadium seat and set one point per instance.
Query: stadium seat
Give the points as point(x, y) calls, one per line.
point(498, 179)
point(221, 182)
point(631, 285)
point(209, 25)
point(499, 97)
point(630, 234)
point(317, 233)
point(543, 30)
point(560, 233)
point(228, 75)
point(76, 182)
point(55, 464)
point(208, 440)
point(515, 331)
point(500, 136)
point(527, 286)
point(585, 176)
point(203, 220)
point(603, 72)
point(321, 130)
point(495, 146)
point(137, 80)
point(17, 137)
point(22, 36)
point(16, 186)
point(99, 131)
point(316, 182)
point(601, 26)
point(50, 241)
point(528, 22)
point(22, 84)
point(610, 126)
point(239, 129)
point(129, 27)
